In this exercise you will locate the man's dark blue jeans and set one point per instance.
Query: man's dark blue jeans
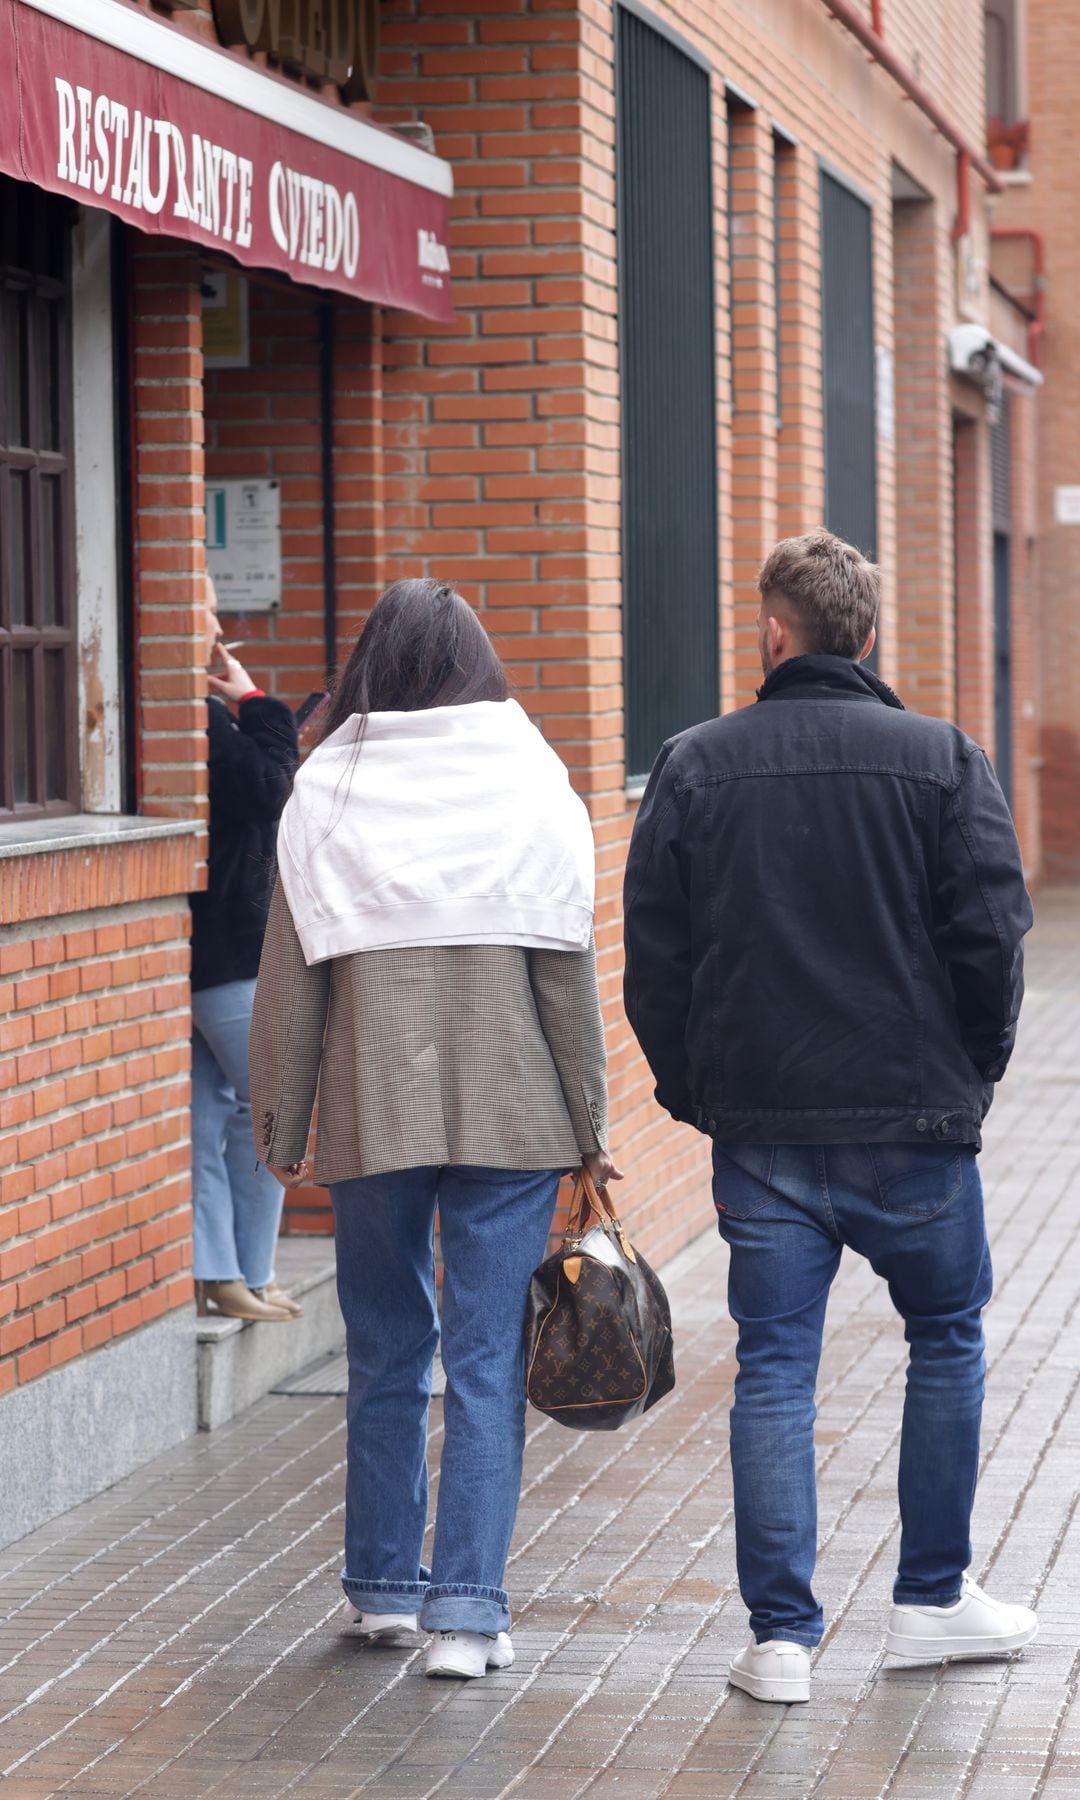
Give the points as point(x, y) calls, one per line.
point(915, 1211)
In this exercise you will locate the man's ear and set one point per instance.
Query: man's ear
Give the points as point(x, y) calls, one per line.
point(777, 638)
point(869, 645)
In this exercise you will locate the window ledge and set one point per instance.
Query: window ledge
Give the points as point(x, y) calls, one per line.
point(636, 786)
point(86, 831)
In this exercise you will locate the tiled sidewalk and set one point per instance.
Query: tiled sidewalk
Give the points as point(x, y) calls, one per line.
point(178, 1636)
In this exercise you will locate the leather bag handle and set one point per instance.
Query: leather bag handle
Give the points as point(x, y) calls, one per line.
point(588, 1199)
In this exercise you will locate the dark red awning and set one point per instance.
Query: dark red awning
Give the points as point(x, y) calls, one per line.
point(102, 102)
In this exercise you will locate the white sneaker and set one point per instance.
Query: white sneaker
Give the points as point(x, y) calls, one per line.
point(389, 1630)
point(777, 1670)
point(467, 1654)
point(974, 1625)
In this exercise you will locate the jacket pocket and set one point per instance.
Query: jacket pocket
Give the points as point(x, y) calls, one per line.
point(916, 1180)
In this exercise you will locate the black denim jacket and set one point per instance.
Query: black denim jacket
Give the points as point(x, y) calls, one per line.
point(825, 911)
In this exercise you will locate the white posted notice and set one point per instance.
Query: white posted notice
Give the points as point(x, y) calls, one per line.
point(243, 544)
point(1067, 505)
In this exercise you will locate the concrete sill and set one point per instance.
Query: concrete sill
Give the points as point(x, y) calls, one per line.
point(87, 831)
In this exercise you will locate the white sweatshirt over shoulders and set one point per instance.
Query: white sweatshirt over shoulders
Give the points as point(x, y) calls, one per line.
point(455, 825)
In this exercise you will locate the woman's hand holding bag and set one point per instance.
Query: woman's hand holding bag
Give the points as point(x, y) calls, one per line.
point(598, 1347)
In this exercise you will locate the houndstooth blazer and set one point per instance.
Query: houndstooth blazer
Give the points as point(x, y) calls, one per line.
point(483, 1055)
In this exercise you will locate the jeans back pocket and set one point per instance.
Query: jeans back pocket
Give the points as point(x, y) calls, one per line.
point(741, 1176)
point(916, 1180)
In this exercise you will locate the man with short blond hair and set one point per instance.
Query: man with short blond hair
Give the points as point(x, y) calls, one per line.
point(825, 911)
point(827, 591)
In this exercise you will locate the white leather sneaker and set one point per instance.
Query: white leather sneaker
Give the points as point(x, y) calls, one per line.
point(777, 1670)
point(389, 1630)
point(974, 1625)
point(467, 1654)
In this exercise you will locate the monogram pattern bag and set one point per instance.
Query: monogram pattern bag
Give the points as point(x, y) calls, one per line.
point(598, 1348)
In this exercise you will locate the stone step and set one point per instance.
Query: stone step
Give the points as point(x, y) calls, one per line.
point(238, 1362)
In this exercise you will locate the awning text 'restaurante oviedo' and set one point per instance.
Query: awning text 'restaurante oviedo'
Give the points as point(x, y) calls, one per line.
point(80, 116)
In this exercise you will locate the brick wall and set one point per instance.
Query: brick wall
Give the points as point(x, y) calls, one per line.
point(1051, 204)
point(922, 302)
point(166, 330)
point(95, 1222)
point(752, 385)
point(95, 1216)
point(800, 494)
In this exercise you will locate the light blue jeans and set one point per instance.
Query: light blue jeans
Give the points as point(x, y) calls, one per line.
point(915, 1211)
point(493, 1228)
point(237, 1202)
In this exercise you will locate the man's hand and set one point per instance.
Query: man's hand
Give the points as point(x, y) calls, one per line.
point(235, 681)
point(295, 1176)
point(601, 1168)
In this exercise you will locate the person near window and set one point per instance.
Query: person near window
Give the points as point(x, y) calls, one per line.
point(430, 965)
point(252, 759)
point(825, 913)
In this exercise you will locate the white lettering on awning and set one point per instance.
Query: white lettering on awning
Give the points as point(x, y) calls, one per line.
point(151, 165)
point(315, 225)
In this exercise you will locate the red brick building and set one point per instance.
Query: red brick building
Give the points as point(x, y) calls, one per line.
point(717, 275)
point(1036, 254)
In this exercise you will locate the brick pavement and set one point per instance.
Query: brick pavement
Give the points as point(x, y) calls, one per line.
point(177, 1636)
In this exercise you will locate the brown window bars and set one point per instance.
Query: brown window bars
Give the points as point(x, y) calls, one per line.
point(39, 772)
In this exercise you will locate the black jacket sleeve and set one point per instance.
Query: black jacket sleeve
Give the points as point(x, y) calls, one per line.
point(252, 761)
point(656, 910)
point(984, 912)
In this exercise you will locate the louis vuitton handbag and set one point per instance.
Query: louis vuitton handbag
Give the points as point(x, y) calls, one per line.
point(598, 1347)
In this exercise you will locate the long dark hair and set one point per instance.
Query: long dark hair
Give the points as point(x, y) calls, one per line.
point(422, 646)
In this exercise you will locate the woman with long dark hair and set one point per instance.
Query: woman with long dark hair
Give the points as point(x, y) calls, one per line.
point(429, 967)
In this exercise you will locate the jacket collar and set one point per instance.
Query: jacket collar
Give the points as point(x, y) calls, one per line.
point(802, 676)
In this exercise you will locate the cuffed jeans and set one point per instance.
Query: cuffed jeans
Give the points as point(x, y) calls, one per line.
point(237, 1202)
point(493, 1227)
point(915, 1211)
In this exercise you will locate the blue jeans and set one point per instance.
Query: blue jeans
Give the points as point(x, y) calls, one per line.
point(915, 1211)
point(493, 1227)
point(237, 1202)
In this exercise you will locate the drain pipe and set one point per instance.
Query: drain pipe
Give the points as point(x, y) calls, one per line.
point(968, 158)
point(1002, 234)
point(327, 337)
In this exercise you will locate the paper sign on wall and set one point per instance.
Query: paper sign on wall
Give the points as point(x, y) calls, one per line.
point(243, 544)
point(225, 320)
point(1067, 505)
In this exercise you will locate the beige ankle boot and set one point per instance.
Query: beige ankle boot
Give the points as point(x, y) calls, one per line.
point(234, 1300)
point(276, 1296)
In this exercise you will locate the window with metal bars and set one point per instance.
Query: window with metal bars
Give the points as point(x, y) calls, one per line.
point(667, 365)
point(38, 680)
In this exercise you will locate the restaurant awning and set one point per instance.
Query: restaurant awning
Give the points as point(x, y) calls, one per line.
point(104, 103)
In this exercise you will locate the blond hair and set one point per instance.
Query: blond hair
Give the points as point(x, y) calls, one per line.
point(831, 589)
